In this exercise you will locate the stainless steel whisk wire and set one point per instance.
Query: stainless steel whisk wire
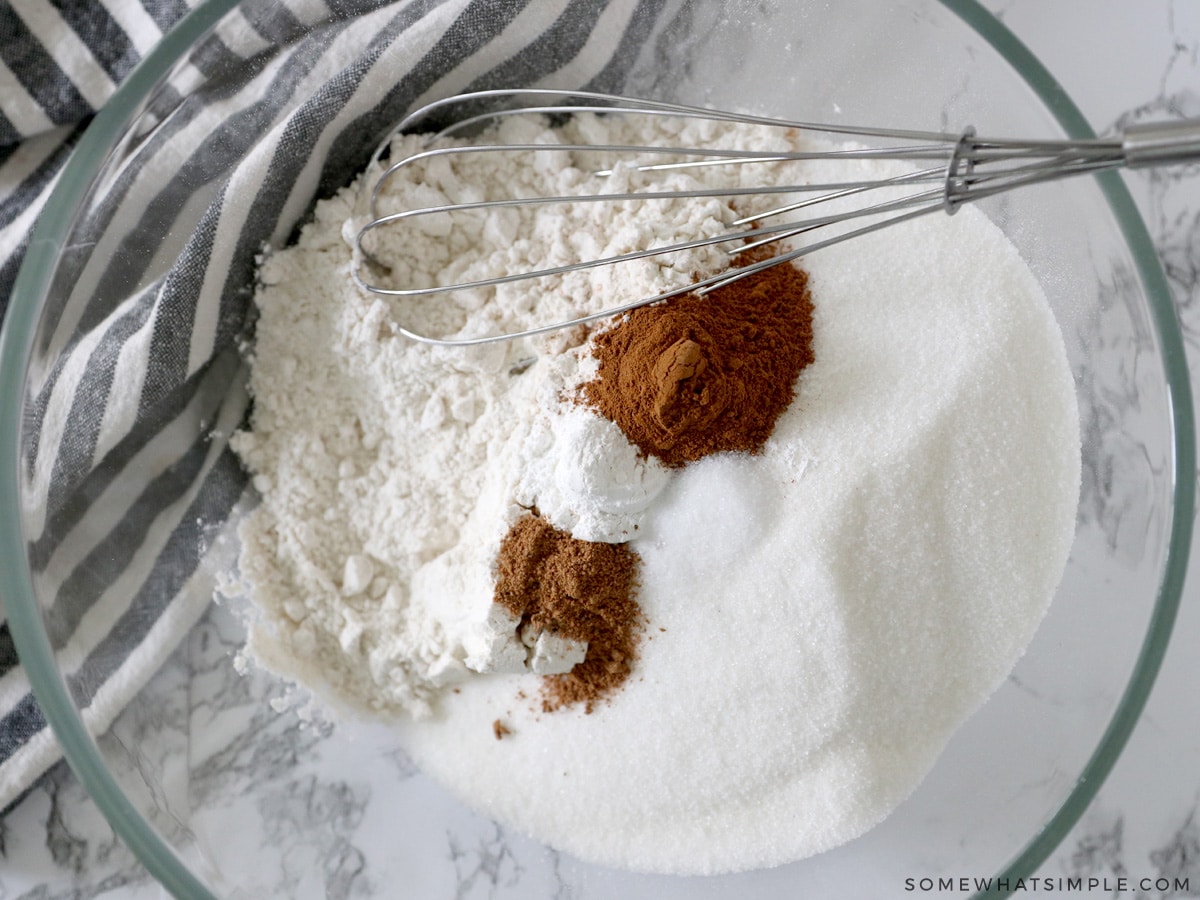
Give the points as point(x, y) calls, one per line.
point(965, 168)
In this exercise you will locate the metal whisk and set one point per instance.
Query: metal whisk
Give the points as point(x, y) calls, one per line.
point(954, 169)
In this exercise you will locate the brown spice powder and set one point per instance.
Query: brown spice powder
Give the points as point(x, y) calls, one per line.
point(700, 375)
point(581, 590)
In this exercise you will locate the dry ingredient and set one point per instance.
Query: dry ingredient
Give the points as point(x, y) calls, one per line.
point(706, 374)
point(578, 468)
point(582, 591)
point(389, 471)
point(824, 613)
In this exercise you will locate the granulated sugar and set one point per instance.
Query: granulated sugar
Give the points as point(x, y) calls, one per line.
point(820, 617)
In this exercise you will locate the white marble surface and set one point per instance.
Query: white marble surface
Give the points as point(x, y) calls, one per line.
point(1121, 60)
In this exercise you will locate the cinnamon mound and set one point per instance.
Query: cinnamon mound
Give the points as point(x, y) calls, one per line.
point(699, 375)
point(581, 590)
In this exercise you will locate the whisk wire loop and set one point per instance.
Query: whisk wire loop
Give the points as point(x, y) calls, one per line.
point(958, 168)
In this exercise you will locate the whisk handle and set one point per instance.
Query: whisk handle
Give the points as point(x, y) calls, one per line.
point(1161, 143)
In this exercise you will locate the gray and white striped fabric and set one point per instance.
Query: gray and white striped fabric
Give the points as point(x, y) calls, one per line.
point(126, 458)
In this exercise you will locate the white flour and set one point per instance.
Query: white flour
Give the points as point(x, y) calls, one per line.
point(389, 470)
point(832, 610)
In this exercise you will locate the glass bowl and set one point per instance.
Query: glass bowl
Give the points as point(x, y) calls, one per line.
point(215, 782)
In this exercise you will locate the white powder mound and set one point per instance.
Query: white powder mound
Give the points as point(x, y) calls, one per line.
point(578, 469)
point(822, 616)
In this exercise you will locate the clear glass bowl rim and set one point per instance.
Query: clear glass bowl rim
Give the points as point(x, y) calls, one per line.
point(33, 282)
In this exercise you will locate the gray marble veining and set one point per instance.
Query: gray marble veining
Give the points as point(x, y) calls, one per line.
point(1144, 821)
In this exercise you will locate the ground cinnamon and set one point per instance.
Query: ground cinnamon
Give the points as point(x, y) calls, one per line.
point(581, 590)
point(699, 375)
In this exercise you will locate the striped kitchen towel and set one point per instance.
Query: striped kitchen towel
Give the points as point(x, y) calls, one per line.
point(135, 384)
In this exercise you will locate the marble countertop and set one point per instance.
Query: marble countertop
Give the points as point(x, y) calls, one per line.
point(1141, 61)
point(1120, 61)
